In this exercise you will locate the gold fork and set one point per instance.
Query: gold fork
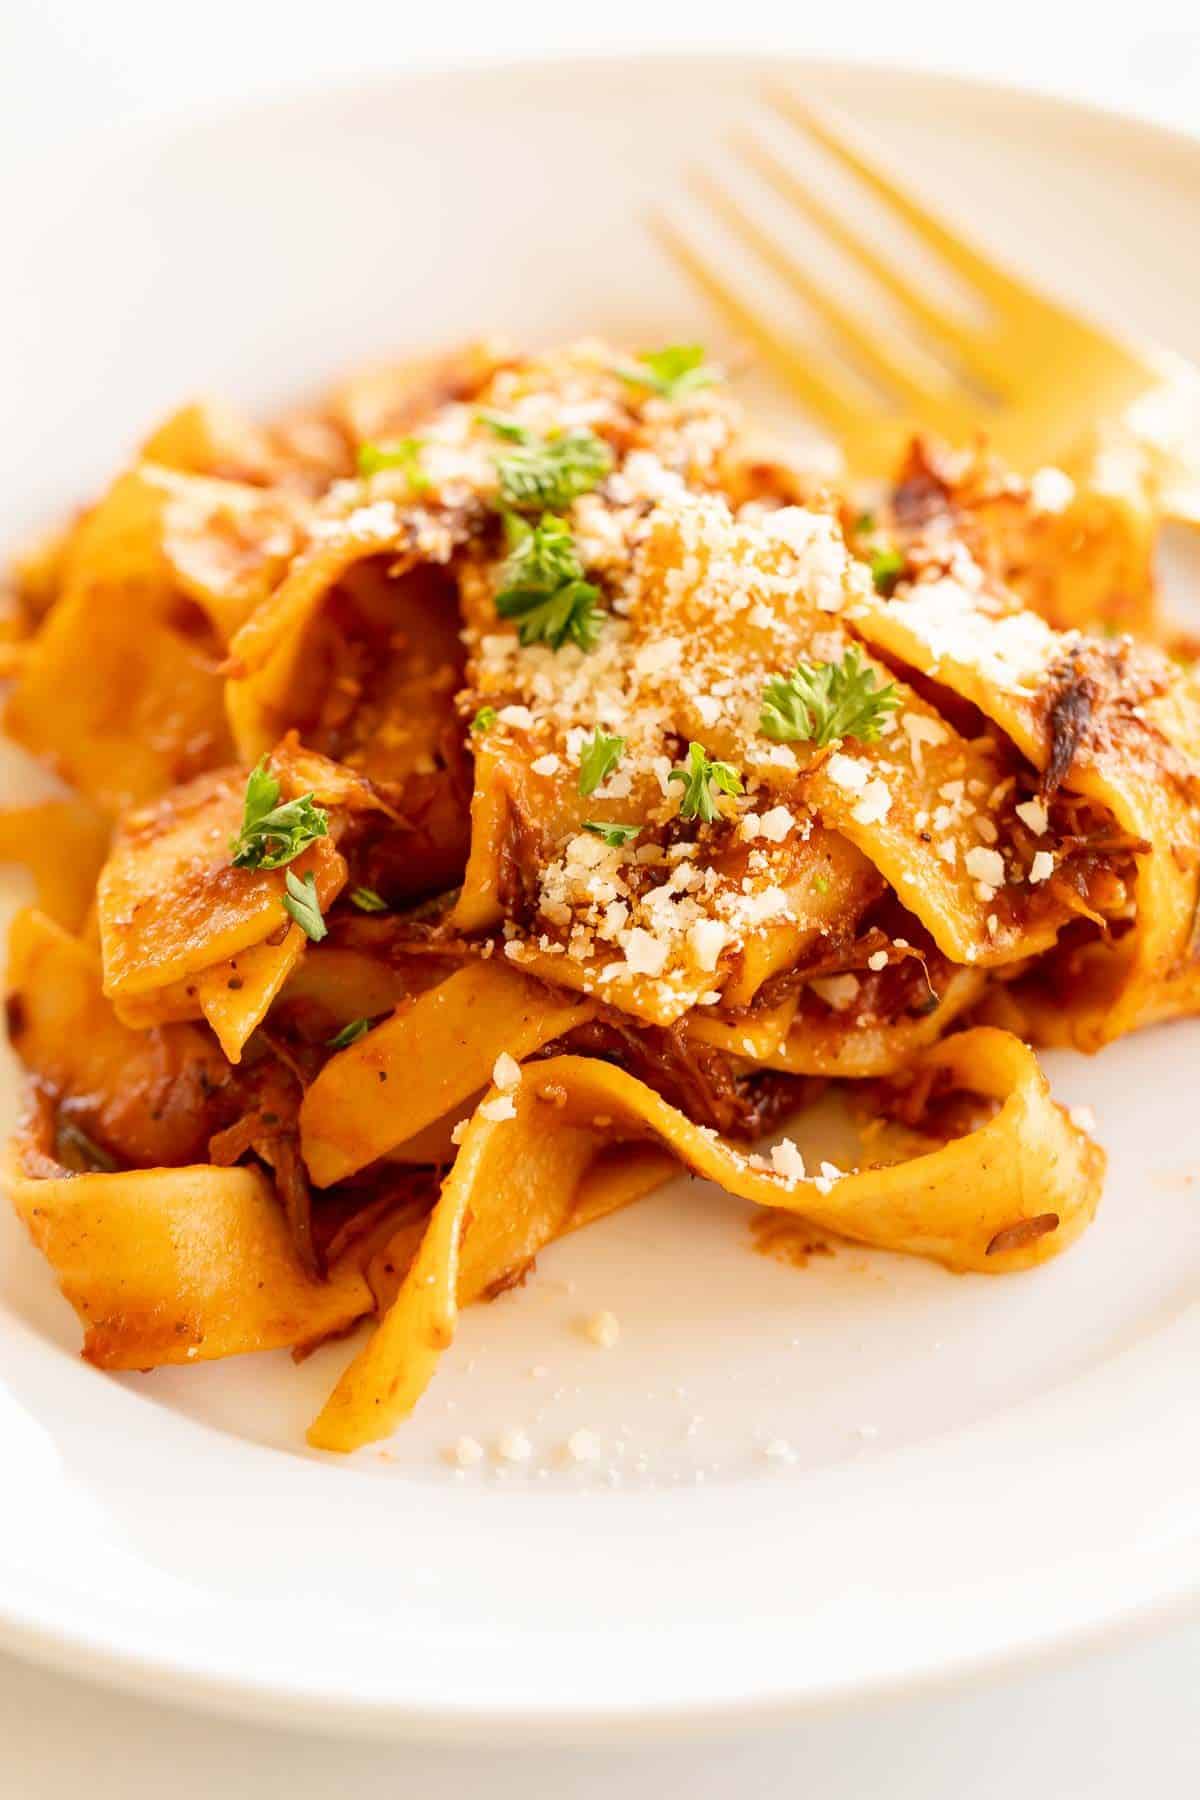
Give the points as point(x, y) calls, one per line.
point(1037, 380)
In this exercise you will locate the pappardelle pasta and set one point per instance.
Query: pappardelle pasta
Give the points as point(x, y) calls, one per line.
point(513, 781)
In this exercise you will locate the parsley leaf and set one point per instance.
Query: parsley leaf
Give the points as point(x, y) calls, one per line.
point(367, 900)
point(568, 612)
point(887, 565)
point(349, 1034)
point(300, 903)
point(548, 476)
point(614, 835)
point(884, 560)
point(483, 721)
point(678, 370)
point(702, 779)
point(508, 429)
point(598, 759)
point(541, 555)
point(823, 701)
point(404, 454)
point(272, 835)
point(543, 585)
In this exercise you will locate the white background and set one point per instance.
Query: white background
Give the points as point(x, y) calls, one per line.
point(1114, 1723)
point(72, 64)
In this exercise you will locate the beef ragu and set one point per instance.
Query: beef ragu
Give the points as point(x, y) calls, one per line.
point(510, 783)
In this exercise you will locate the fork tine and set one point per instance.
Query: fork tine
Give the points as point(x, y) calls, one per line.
point(940, 325)
point(911, 377)
point(1005, 291)
point(833, 402)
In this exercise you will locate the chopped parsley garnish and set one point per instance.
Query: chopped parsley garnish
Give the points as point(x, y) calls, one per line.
point(887, 565)
point(541, 555)
point(543, 586)
point(613, 835)
point(884, 560)
point(508, 429)
point(483, 721)
point(702, 780)
point(272, 835)
point(819, 702)
point(404, 454)
point(678, 370)
point(349, 1034)
point(821, 883)
point(367, 900)
point(598, 759)
point(547, 476)
point(300, 903)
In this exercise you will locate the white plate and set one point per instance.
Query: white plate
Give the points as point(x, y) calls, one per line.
point(984, 1468)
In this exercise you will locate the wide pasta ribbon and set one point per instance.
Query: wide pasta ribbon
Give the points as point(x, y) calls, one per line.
point(916, 803)
point(1006, 1196)
point(1113, 723)
point(433, 1055)
point(118, 690)
point(179, 1265)
point(186, 935)
point(805, 1037)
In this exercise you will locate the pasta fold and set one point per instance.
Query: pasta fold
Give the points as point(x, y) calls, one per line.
point(1113, 723)
point(151, 710)
point(1007, 1195)
point(179, 1265)
point(435, 1052)
point(177, 920)
point(64, 844)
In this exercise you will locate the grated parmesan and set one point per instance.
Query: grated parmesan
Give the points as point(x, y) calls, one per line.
point(497, 1110)
point(506, 1073)
point(603, 1329)
point(985, 865)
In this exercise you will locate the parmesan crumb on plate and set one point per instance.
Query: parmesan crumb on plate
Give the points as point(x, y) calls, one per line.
point(514, 1445)
point(465, 1453)
point(603, 1329)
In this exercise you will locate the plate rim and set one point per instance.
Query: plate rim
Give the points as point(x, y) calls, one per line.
point(169, 1676)
point(284, 95)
